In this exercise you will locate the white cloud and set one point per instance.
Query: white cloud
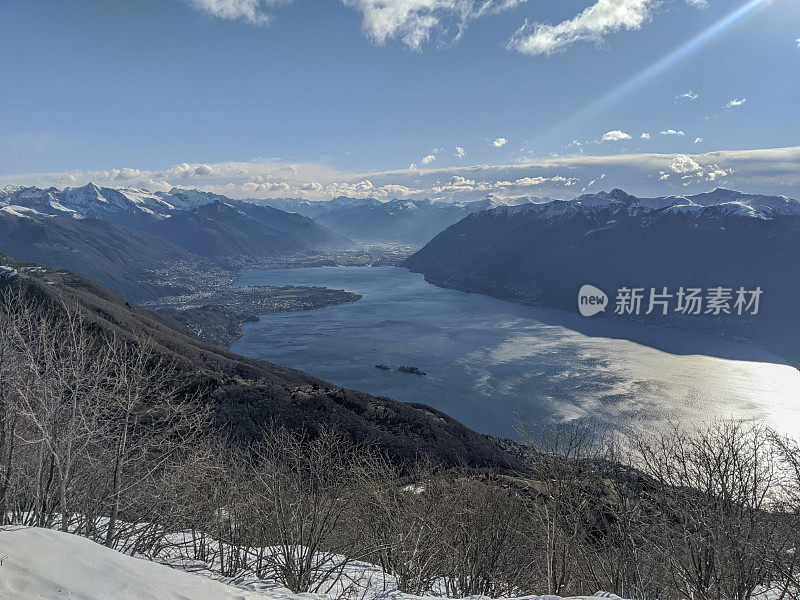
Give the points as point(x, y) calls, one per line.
point(499, 142)
point(684, 164)
point(413, 22)
point(698, 140)
point(714, 173)
point(615, 136)
point(798, 42)
point(460, 152)
point(736, 102)
point(687, 95)
point(185, 170)
point(417, 22)
point(251, 11)
point(593, 24)
point(673, 132)
point(645, 136)
point(426, 160)
point(692, 172)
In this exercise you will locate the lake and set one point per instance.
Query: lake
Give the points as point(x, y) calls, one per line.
point(491, 363)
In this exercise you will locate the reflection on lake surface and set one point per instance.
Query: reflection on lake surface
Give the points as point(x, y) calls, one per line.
point(489, 361)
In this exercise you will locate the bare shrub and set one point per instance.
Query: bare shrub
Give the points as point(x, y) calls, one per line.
point(303, 494)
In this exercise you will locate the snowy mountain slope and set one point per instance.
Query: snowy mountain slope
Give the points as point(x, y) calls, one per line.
point(47, 201)
point(114, 204)
point(181, 199)
point(719, 203)
point(128, 206)
point(46, 564)
point(315, 208)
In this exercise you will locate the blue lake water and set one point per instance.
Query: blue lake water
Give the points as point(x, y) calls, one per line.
point(491, 363)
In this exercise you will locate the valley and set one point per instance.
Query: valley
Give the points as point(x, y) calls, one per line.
point(399, 300)
point(296, 289)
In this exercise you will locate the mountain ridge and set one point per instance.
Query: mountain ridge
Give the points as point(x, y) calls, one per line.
point(544, 253)
point(137, 242)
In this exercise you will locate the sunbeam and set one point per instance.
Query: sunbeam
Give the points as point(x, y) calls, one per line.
point(667, 62)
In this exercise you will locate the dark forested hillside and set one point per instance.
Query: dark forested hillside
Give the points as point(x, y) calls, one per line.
point(247, 394)
point(122, 259)
point(543, 254)
point(225, 229)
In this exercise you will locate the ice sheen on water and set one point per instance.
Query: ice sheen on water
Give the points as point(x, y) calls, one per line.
point(490, 363)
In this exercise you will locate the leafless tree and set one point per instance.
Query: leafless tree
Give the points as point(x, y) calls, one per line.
point(563, 464)
point(721, 490)
point(145, 420)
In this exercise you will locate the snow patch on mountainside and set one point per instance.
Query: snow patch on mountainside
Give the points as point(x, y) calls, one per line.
point(119, 204)
point(21, 211)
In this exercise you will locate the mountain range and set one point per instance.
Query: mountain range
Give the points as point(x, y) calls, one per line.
point(394, 221)
point(234, 228)
point(123, 237)
point(542, 254)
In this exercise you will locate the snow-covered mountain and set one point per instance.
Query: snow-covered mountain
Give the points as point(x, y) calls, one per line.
point(719, 202)
point(131, 207)
point(184, 199)
point(315, 208)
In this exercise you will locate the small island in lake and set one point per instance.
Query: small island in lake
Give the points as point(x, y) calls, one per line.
point(383, 367)
point(412, 370)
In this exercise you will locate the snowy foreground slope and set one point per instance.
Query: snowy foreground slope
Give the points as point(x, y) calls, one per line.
point(43, 564)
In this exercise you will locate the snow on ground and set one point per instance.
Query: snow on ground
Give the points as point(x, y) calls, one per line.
point(44, 564)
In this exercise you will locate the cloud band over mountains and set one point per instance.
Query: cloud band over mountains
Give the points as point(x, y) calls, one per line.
point(773, 170)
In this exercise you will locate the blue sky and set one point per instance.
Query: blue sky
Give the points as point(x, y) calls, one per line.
point(439, 98)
